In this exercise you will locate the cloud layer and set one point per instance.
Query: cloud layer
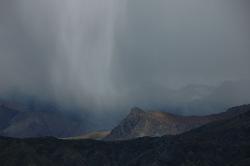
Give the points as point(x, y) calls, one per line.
point(117, 54)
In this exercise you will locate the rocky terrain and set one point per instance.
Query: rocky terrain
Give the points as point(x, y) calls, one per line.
point(224, 142)
point(140, 123)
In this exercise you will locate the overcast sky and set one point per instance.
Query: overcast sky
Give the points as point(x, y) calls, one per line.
point(102, 54)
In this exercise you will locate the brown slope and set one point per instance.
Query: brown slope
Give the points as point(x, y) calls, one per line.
point(154, 123)
point(97, 135)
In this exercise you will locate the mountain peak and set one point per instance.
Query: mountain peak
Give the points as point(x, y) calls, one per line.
point(141, 123)
point(137, 110)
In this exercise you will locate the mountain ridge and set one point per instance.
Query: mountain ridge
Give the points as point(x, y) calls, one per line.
point(140, 123)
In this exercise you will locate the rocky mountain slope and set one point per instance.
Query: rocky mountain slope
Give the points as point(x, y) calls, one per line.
point(140, 123)
point(219, 143)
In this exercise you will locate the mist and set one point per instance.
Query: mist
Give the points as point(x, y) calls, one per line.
point(109, 56)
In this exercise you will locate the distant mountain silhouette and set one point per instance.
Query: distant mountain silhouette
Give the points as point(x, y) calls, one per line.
point(19, 121)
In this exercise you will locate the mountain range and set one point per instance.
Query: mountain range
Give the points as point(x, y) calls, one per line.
point(37, 119)
point(23, 115)
point(224, 142)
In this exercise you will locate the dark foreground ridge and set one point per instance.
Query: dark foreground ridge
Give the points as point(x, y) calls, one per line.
point(220, 143)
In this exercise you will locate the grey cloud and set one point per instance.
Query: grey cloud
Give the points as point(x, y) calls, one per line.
point(113, 55)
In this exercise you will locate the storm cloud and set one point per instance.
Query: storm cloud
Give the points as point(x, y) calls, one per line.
point(111, 55)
